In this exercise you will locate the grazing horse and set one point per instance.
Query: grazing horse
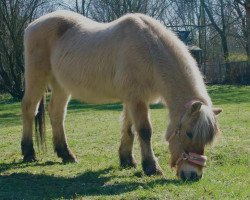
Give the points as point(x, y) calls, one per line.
point(134, 60)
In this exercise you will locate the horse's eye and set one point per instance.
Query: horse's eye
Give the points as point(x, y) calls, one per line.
point(190, 135)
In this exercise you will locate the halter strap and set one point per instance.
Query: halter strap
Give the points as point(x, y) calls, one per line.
point(193, 158)
point(188, 156)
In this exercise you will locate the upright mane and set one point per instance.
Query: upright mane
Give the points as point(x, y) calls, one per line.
point(166, 47)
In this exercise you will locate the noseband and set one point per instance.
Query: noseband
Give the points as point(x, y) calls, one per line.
point(194, 158)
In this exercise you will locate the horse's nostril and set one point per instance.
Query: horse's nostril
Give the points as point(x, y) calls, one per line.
point(193, 176)
point(189, 176)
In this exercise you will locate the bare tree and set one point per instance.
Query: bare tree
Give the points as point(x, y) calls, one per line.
point(219, 21)
point(245, 23)
point(247, 6)
point(240, 31)
point(245, 19)
point(221, 26)
point(108, 10)
point(14, 16)
point(79, 6)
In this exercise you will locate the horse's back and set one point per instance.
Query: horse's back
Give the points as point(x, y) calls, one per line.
point(52, 26)
point(94, 59)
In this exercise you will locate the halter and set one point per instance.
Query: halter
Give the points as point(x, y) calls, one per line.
point(194, 158)
point(188, 156)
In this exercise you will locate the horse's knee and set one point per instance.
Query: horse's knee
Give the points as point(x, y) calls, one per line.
point(139, 114)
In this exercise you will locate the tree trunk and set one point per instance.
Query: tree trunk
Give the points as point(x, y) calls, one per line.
point(247, 6)
point(222, 32)
point(228, 75)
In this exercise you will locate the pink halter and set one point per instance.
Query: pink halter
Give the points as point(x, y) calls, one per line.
point(193, 158)
point(189, 156)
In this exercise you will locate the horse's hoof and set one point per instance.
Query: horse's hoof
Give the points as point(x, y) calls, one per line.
point(70, 159)
point(128, 165)
point(128, 162)
point(152, 169)
point(28, 159)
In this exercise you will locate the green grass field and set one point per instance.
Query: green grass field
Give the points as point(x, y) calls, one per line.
point(93, 133)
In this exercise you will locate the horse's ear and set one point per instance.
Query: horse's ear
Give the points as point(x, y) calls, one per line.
point(195, 107)
point(217, 111)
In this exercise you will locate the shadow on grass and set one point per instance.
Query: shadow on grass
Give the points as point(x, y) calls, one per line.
point(90, 183)
point(20, 165)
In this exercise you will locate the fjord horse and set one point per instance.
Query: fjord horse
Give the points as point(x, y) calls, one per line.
point(134, 60)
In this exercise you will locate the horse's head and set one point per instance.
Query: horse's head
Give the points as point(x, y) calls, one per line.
point(188, 137)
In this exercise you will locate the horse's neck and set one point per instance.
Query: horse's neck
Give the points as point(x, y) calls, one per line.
point(179, 97)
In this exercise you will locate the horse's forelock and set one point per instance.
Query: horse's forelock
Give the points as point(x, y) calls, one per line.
point(205, 128)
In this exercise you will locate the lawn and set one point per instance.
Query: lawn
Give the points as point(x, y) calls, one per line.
point(93, 133)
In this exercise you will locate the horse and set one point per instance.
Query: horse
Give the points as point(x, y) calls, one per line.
point(134, 60)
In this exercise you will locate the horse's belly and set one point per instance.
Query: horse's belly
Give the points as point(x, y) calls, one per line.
point(93, 96)
point(88, 90)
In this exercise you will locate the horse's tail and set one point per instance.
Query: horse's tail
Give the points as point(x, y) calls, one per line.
point(40, 125)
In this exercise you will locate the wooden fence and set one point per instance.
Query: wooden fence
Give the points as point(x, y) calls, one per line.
point(238, 73)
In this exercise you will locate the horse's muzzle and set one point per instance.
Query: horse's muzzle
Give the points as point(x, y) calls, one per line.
point(188, 169)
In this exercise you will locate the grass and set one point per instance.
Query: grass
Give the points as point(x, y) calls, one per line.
point(93, 135)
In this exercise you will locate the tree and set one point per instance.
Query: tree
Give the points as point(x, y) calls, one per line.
point(247, 6)
point(246, 28)
point(108, 10)
point(14, 16)
point(79, 6)
point(221, 26)
point(245, 21)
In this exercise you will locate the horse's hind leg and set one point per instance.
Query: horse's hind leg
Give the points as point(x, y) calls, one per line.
point(35, 84)
point(57, 111)
point(127, 140)
point(140, 118)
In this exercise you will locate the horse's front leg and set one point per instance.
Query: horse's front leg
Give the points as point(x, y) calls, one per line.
point(140, 117)
point(127, 140)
